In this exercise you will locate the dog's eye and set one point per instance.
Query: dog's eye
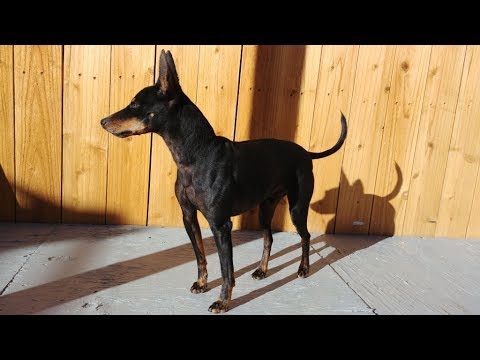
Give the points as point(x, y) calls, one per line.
point(133, 105)
point(151, 115)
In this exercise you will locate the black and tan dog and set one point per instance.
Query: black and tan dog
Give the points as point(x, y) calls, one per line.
point(219, 177)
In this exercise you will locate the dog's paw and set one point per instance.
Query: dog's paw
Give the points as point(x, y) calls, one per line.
point(302, 271)
point(218, 307)
point(259, 274)
point(197, 288)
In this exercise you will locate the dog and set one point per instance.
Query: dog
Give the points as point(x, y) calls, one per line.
point(219, 177)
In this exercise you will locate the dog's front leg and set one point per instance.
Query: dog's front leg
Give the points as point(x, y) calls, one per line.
point(190, 222)
point(222, 233)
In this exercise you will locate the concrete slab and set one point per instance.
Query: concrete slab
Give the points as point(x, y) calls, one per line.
point(140, 270)
point(282, 292)
point(407, 275)
point(17, 244)
point(94, 269)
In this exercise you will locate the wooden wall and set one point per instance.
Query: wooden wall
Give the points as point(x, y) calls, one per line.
point(409, 166)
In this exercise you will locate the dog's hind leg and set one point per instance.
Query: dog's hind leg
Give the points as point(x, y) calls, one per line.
point(299, 200)
point(266, 211)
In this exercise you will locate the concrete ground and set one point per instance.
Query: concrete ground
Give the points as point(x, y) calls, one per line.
point(94, 269)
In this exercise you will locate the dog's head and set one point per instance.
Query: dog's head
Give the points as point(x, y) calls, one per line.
point(148, 111)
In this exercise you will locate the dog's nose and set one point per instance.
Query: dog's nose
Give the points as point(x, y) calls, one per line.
point(103, 122)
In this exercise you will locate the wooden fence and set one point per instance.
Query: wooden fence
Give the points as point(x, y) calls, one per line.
point(409, 165)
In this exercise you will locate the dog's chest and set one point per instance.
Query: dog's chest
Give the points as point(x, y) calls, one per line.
point(186, 179)
point(185, 176)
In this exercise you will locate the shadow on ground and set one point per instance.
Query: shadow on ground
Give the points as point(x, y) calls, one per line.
point(36, 205)
point(45, 296)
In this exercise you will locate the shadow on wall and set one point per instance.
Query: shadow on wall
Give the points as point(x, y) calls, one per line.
point(275, 114)
point(275, 106)
point(7, 198)
point(36, 205)
point(324, 206)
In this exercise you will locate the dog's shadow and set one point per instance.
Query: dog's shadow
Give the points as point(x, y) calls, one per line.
point(379, 225)
point(336, 247)
point(340, 246)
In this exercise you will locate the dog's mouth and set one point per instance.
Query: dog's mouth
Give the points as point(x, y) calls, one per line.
point(125, 128)
point(124, 134)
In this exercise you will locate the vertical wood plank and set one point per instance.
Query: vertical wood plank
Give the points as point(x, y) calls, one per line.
point(86, 102)
point(399, 136)
point(277, 92)
point(163, 206)
point(463, 154)
point(276, 100)
point(38, 132)
point(334, 95)
point(129, 158)
point(438, 114)
point(7, 149)
point(473, 229)
point(362, 147)
point(217, 88)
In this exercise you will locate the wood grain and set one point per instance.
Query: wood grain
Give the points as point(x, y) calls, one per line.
point(334, 95)
point(7, 132)
point(129, 158)
point(415, 106)
point(473, 229)
point(437, 118)
point(362, 147)
point(38, 132)
point(400, 134)
point(463, 155)
point(217, 86)
point(85, 102)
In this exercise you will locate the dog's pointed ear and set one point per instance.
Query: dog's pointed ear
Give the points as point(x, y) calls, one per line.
point(358, 187)
point(162, 81)
point(173, 69)
point(167, 81)
point(343, 179)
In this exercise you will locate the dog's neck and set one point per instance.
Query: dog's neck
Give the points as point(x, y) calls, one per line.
point(188, 133)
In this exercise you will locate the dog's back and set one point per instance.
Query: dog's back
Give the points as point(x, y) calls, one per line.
point(267, 168)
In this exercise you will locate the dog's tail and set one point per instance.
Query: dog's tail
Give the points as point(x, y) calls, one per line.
point(335, 147)
point(398, 186)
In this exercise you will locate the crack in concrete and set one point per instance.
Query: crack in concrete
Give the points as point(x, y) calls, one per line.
point(373, 310)
point(356, 293)
point(21, 268)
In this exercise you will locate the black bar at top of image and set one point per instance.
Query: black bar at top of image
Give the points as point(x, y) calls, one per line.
point(242, 36)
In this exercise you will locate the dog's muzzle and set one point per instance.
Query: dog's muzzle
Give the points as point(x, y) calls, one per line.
point(104, 122)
